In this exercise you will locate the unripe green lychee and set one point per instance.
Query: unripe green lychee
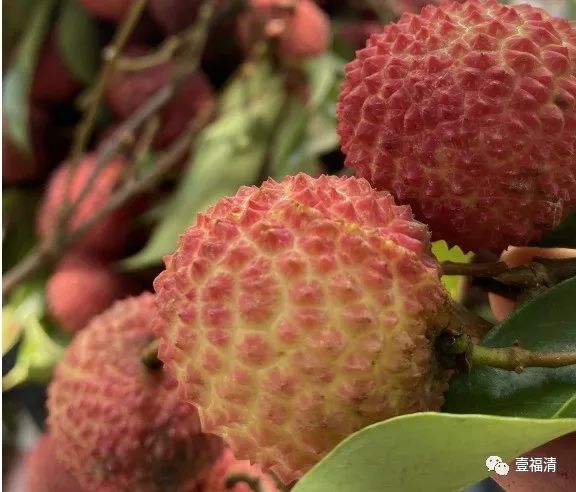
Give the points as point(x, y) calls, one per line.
point(467, 112)
point(45, 473)
point(109, 236)
point(224, 473)
point(299, 312)
point(300, 27)
point(115, 424)
point(80, 288)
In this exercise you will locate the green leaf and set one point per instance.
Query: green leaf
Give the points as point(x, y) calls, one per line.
point(15, 16)
point(308, 130)
point(548, 323)
point(430, 452)
point(229, 153)
point(37, 356)
point(19, 207)
point(564, 236)
point(454, 283)
point(77, 37)
point(26, 303)
point(18, 78)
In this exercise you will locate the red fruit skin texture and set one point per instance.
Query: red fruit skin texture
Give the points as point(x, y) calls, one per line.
point(17, 167)
point(111, 10)
point(304, 31)
point(467, 112)
point(228, 466)
point(115, 423)
point(287, 313)
point(126, 92)
point(45, 473)
point(109, 236)
point(80, 288)
point(53, 82)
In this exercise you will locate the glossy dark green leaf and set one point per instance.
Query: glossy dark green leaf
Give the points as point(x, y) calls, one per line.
point(229, 153)
point(431, 452)
point(548, 323)
point(18, 78)
point(78, 41)
point(564, 236)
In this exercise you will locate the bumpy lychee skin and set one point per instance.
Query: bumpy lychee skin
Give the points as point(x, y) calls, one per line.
point(227, 468)
point(301, 28)
point(80, 288)
point(109, 236)
point(115, 424)
point(112, 10)
point(45, 473)
point(299, 312)
point(467, 112)
point(127, 91)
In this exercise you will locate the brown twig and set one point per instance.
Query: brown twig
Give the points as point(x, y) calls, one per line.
point(189, 61)
point(85, 128)
point(533, 277)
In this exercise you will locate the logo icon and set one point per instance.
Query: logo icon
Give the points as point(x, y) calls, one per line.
point(495, 464)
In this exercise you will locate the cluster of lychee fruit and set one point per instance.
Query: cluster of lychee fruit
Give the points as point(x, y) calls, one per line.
point(297, 312)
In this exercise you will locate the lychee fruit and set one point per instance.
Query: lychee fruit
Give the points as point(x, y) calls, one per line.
point(53, 82)
point(297, 313)
point(176, 15)
point(45, 473)
point(227, 473)
point(467, 112)
point(112, 10)
point(109, 236)
point(116, 425)
point(80, 288)
point(300, 28)
point(17, 166)
point(127, 91)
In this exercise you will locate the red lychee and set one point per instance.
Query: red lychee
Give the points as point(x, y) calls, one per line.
point(467, 112)
point(112, 10)
point(116, 425)
point(297, 313)
point(225, 476)
point(301, 28)
point(45, 473)
point(17, 167)
point(53, 82)
point(175, 15)
point(109, 236)
point(80, 288)
point(126, 91)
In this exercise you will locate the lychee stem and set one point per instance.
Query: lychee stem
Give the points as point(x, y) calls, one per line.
point(531, 278)
point(150, 358)
point(458, 350)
